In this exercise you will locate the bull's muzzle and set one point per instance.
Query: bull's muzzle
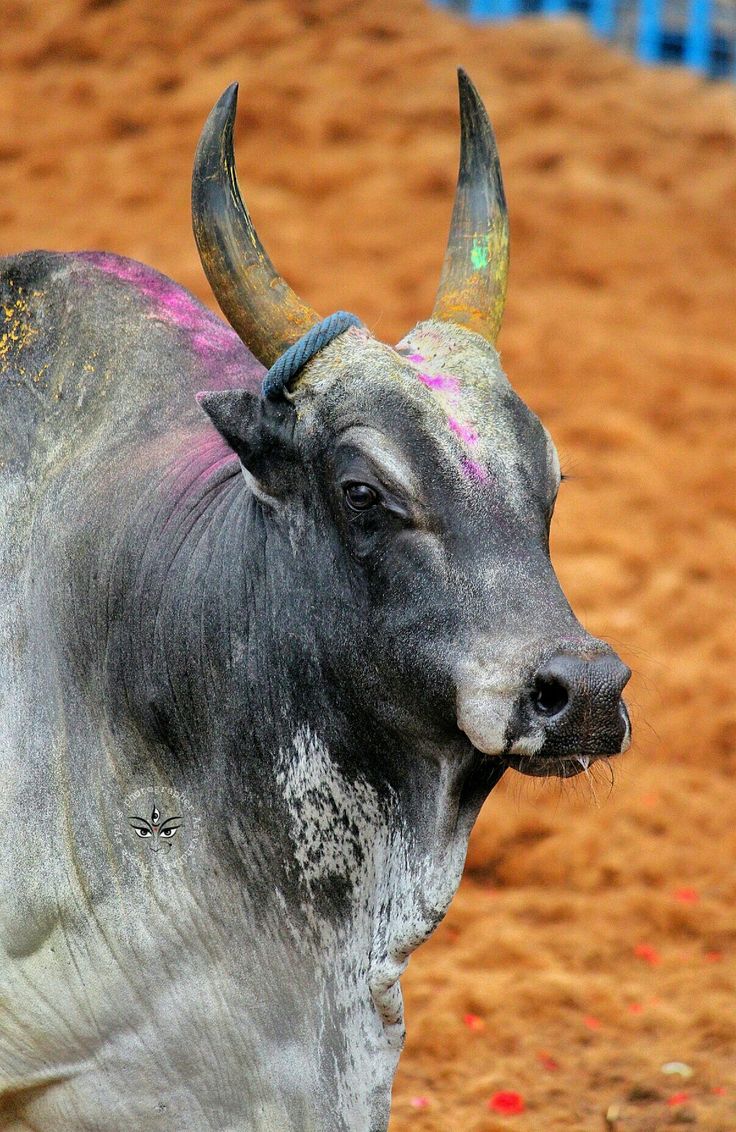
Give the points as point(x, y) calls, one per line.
point(571, 709)
point(565, 713)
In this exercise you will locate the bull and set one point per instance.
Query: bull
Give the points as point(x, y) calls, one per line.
point(265, 654)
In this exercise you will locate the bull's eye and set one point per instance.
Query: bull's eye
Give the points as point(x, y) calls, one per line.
point(360, 496)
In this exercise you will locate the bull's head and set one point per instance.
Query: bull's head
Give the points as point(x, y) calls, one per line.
point(422, 486)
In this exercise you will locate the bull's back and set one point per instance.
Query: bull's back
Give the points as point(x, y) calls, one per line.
point(94, 346)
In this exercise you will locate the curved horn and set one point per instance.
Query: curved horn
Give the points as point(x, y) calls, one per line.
point(258, 304)
point(472, 289)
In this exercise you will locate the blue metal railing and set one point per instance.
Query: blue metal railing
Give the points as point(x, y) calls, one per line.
point(697, 33)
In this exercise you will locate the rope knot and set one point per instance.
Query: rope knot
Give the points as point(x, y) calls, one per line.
point(285, 368)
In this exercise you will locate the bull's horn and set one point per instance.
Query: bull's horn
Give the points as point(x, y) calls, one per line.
point(259, 305)
point(472, 289)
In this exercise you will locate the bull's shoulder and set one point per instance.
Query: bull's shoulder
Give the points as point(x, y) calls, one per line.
point(95, 340)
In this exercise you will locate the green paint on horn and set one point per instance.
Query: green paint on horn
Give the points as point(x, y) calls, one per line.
point(479, 255)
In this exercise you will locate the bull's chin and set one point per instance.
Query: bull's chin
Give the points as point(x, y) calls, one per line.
point(547, 766)
point(552, 766)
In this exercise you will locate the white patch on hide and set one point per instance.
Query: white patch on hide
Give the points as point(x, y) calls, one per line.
point(486, 697)
point(338, 831)
point(336, 819)
point(398, 890)
point(528, 744)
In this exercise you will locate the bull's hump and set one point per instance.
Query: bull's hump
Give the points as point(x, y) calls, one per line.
point(90, 335)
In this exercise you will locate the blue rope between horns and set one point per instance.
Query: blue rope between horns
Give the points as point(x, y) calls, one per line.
point(291, 361)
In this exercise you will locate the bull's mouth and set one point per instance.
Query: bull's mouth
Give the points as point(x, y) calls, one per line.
point(554, 766)
point(561, 756)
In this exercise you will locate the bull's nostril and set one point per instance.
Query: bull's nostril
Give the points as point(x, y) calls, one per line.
point(549, 695)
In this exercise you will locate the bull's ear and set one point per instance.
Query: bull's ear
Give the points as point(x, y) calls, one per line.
point(259, 429)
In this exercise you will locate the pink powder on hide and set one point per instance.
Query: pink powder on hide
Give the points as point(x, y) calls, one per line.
point(209, 459)
point(465, 432)
point(415, 357)
point(472, 470)
point(170, 303)
point(441, 381)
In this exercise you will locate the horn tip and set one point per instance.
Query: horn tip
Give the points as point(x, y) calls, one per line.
point(470, 99)
point(228, 100)
point(466, 84)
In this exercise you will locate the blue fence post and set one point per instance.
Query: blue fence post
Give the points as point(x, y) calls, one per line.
point(493, 9)
point(649, 37)
point(697, 40)
point(603, 17)
point(707, 43)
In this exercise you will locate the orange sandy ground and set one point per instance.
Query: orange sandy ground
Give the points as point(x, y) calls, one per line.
point(620, 332)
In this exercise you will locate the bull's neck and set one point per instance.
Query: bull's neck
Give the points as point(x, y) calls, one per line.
point(362, 833)
point(215, 658)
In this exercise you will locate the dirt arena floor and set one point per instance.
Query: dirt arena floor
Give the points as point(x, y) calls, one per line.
point(593, 940)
